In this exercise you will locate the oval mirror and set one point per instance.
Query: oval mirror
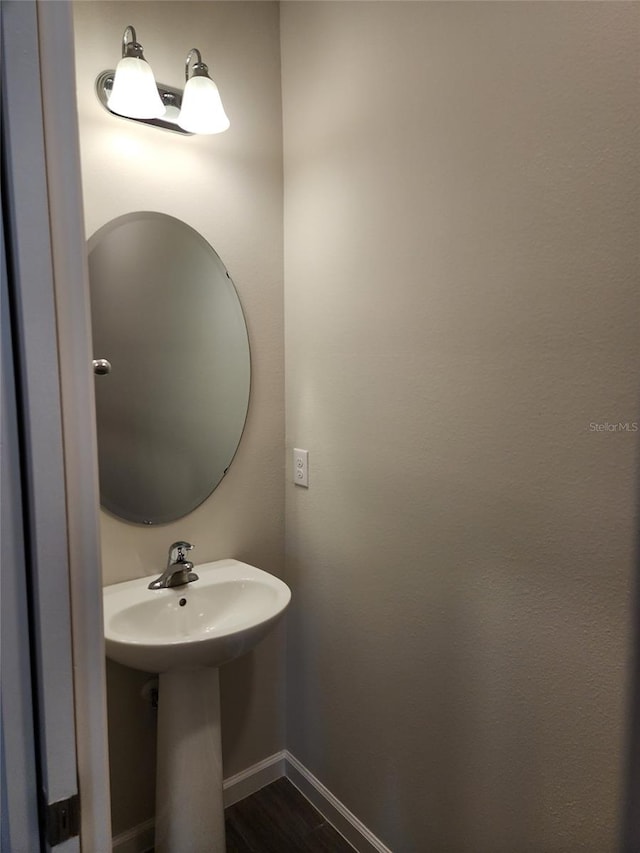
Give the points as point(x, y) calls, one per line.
point(171, 408)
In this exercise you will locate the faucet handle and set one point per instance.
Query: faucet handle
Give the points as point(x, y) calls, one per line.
point(178, 552)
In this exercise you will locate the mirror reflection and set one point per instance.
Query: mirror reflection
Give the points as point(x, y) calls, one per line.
point(171, 410)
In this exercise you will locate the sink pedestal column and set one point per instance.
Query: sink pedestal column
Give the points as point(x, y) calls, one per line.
point(189, 808)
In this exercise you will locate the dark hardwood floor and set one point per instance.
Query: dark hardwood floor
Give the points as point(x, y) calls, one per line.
point(278, 819)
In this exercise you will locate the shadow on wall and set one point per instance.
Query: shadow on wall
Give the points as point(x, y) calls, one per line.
point(132, 747)
point(235, 683)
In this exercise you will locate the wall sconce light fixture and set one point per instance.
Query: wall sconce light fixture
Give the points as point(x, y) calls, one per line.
point(202, 110)
point(134, 93)
point(131, 92)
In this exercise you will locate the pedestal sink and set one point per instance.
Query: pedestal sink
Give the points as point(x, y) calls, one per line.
point(185, 634)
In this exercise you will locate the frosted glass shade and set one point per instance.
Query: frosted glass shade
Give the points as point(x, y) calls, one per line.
point(202, 110)
point(134, 93)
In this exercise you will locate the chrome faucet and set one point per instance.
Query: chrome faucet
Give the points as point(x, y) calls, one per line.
point(179, 570)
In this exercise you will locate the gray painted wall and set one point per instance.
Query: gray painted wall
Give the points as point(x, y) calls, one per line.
point(461, 292)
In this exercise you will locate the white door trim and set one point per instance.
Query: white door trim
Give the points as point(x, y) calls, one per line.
point(75, 353)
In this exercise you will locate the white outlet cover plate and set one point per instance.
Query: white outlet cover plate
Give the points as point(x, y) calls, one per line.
point(301, 467)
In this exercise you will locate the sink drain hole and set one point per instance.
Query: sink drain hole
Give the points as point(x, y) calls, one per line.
point(182, 602)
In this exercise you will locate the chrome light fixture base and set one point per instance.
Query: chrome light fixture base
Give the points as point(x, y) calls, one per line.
point(172, 99)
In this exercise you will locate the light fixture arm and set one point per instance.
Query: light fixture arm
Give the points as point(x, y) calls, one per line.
point(199, 69)
point(133, 46)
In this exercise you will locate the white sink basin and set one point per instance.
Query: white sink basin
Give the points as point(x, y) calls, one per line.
point(201, 624)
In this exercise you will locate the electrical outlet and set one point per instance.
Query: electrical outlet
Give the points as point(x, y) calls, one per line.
point(301, 467)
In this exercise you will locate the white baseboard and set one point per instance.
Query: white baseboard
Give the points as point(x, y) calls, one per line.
point(248, 781)
point(136, 840)
point(236, 788)
point(338, 815)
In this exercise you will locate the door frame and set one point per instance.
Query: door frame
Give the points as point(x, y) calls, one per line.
point(19, 829)
point(57, 412)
